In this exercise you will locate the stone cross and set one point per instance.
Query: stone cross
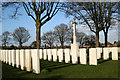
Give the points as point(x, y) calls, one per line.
point(74, 30)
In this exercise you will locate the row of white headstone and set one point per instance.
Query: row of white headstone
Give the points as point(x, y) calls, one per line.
point(23, 58)
point(95, 53)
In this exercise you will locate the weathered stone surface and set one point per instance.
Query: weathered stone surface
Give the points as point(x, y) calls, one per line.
point(49, 54)
point(54, 53)
point(28, 60)
point(105, 53)
point(115, 53)
point(35, 61)
point(17, 58)
point(67, 55)
point(22, 59)
point(41, 53)
point(83, 56)
point(45, 54)
point(92, 56)
point(60, 54)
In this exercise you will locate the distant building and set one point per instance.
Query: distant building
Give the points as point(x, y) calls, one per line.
point(108, 44)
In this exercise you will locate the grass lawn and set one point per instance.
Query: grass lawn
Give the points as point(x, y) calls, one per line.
point(107, 69)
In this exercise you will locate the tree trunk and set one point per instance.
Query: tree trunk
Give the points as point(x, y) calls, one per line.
point(62, 44)
point(105, 34)
point(97, 39)
point(20, 45)
point(38, 36)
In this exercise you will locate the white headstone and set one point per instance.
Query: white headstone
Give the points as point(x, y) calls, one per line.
point(6, 57)
point(99, 51)
point(54, 53)
point(0, 55)
point(105, 53)
point(83, 56)
point(115, 53)
point(92, 56)
point(60, 54)
point(35, 61)
point(10, 57)
point(110, 49)
point(74, 52)
point(28, 60)
point(13, 57)
point(67, 55)
point(118, 49)
point(40, 53)
point(4, 53)
point(49, 51)
point(22, 59)
point(17, 58)
point(45, 54)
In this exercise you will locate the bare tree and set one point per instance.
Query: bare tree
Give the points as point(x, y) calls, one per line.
point(62, 33)
point(21, 35)
point(89, 40)
point(6, 38)
point(48, 38)
point(40, 12)
point(90, 13)
point(92, 40)
point(80, 38)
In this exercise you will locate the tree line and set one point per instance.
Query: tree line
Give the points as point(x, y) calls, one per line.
point(62, 35)
point(98, 16)
point(19, 36)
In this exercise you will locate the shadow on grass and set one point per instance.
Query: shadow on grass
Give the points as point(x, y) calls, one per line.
point(100, 61)
point(50, 65)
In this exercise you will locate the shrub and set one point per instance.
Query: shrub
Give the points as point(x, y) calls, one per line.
point(44, 71)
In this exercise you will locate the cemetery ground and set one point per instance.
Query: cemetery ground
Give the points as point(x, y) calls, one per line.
point(50, 69)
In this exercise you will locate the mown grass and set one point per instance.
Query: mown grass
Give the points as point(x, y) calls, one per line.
point(106, 69)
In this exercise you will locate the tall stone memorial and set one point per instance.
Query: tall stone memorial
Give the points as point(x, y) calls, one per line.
point(74, 46)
